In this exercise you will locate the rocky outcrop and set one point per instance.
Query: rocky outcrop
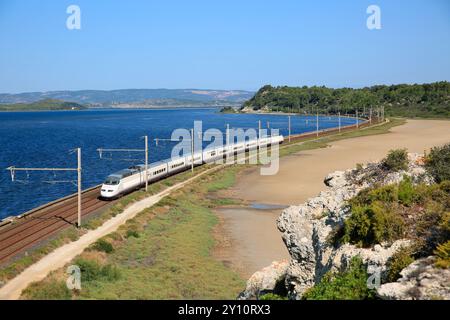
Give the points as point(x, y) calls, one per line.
point(268, 280)
point(308, 230)
point(420, 280)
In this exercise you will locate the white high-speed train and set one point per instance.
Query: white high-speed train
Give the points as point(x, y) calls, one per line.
point(133, 178)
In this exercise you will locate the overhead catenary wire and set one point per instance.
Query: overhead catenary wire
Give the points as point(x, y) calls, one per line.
point(145, 150)
point(78, 169)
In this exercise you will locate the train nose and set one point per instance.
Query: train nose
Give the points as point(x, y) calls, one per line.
point(107, 192)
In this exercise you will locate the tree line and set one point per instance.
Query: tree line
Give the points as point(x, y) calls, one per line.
point(408, 100)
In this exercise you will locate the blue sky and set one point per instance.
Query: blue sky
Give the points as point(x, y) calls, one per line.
point(220, 44)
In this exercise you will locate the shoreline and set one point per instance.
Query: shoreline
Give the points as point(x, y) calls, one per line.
point(293, 186)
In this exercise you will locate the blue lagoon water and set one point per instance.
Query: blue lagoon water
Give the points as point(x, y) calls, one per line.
point(44, 139)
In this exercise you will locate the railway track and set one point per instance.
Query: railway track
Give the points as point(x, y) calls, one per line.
point(28, 231)
point(32, 228)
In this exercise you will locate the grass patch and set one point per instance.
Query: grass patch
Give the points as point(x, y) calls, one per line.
point(48, 290)
point(171, 258)
point(227, 180)
point(92, 270)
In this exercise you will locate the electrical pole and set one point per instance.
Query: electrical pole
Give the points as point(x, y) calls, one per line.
point(192, 150)
point(228, 134)
point(78, 169)
point(146, 162)
point(357, 122)
point(79, 185)
point(317, 123)
point(289, 123)
point(339, 121)
point(259, 129)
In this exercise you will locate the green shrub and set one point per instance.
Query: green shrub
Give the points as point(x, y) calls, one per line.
point(371, 224)
point(271, 296)
point(443, 255)
point(91, 271)
point(406, 192)
point(432, 227)
point(132, 233)
point(438, 163)
point(396, 160)
point(357, 226)
point(103, 245)
point(387, 194)
point(398, 262)
point(350, 284)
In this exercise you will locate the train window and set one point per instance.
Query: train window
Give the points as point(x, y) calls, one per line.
point(177, 165)
point(112, 181)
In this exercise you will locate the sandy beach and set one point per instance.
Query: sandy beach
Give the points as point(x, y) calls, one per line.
point(301, 177)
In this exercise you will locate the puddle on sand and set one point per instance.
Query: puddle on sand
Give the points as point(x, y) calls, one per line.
point(265, 206)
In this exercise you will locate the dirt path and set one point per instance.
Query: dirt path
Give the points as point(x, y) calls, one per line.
point(301, 177)
point(63, 255)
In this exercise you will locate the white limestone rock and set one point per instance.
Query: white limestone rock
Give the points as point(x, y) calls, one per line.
point(265, 280)
point(420, 280)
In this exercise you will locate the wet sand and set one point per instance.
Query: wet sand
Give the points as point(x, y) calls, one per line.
point(301, 177)
point(249, 239)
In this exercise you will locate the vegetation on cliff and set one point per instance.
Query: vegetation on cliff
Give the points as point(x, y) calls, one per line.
point(416, 100)
point(413, 209)
point(419, 212)
point(438, 163)
point(349, 284)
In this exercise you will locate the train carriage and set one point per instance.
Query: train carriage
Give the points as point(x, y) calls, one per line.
point(132, 178)
point(176, 165)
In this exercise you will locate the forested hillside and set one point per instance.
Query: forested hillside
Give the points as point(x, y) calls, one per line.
point(417, 100)
point(42, 105)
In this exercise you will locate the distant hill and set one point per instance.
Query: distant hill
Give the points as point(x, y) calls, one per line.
point(42, 105)
point(135, 97)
